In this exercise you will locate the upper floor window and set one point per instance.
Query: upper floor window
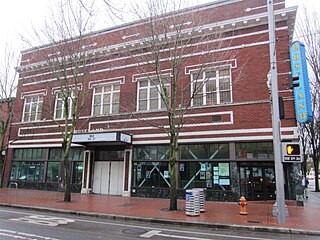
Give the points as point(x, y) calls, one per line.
point(60, 106)
point(32, 109)
point(149, 93)
point(106, 99)
point(211, 87)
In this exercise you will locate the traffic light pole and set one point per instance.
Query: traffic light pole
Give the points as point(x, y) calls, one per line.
point(275, 117)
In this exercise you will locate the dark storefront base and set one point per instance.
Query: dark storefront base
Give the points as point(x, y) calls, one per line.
point(42, 186)
point(221, 196)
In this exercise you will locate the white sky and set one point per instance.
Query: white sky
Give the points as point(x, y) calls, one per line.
point(18, 16)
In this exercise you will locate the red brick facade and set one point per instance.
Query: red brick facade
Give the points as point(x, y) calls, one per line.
point(244, 48)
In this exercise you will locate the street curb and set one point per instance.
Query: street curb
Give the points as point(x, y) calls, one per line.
point(167, 221)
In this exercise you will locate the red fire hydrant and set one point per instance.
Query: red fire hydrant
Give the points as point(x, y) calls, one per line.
point(243, 206)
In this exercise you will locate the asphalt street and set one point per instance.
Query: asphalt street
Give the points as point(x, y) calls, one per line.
point(34, 225)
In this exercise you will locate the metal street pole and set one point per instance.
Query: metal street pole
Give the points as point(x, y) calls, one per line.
point(275, 117)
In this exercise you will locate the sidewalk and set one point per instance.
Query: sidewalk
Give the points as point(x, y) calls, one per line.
point(301, 220)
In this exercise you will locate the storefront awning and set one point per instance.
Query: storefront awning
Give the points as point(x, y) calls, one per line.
point(102, 138)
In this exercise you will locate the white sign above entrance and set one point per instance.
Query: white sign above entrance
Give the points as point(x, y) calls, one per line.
point(101, 137)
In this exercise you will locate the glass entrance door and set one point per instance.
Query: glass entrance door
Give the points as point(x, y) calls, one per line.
point(257, 182)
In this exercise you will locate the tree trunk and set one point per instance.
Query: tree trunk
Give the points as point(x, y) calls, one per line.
point(67, 182)
point(173, 160)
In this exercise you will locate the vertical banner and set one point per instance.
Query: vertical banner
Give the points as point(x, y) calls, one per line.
point(302, 96)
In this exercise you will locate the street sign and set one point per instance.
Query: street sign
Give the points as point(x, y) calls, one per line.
point(291, 152)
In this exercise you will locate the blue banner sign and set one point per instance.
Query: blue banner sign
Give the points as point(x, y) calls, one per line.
point(302, 96)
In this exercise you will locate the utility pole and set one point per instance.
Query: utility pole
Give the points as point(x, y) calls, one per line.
point(275, 117)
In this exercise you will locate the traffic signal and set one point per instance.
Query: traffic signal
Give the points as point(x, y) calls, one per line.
point(293, 149)
point(293, 81)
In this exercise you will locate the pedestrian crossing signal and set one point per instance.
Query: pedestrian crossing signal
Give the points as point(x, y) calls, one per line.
point(293, 149)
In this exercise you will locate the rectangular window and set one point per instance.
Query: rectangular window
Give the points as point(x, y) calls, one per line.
point(211, 87)
point(60, 106)
point(27, 171)
point(106, 99)
point(32, 108)
point(254, 150)
point(150, 91)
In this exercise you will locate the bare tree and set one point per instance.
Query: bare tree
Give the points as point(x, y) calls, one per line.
point(8, 84)
point(65, 52)
point(308, 32)
point(171, 40)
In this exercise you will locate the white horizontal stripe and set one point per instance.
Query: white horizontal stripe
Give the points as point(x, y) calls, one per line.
point(237, 131)
point(224, 139)
point(42, 145)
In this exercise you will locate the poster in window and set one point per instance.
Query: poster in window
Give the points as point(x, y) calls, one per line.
point(208, 166)
point(166, 174)
point(224, 169)
point(203, 167)
point(147, 174)
point(202, 175)
point(209, 184)
point(181, 167)
point(208, 175)
point(224, 182)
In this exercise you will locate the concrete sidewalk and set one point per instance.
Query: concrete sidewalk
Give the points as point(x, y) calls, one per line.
point(301, 220)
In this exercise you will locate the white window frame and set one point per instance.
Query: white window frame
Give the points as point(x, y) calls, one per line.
point(204, 81)
point(70, 103)
point(102, 93)
point(37, 104)
point(149, 87)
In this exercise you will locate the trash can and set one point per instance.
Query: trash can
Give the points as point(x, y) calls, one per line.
point(202, 198)
point(192, 202)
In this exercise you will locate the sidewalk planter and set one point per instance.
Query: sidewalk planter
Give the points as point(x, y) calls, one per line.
point(192, 202)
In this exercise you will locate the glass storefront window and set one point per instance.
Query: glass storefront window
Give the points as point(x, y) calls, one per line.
point(75, 154)
point(27, 171)
point(209, 175)
point(257, 150)
point(204, 151)
point(29, 154)
point(151, 174)
point(151, 152)
point(77, 173)
point(53, 171)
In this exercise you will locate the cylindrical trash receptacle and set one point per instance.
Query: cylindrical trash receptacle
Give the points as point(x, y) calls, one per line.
point(192, 202)
point(202, 198)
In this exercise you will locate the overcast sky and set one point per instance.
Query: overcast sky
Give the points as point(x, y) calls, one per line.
point(17, 16)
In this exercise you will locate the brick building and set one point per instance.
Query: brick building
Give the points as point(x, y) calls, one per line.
point(121, 145)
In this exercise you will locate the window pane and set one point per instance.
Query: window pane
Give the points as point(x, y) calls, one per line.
point(116, 87)
point(211, 98)
point(211, 86)
point(98, 89)
point(106, 98)
point(225, 97)
point(198, 100)
point(153, 92)
point(53, 171)
point(115, 107)
point(211, 74)
point(143, 93)
point(97, 99)
point(196, 76)
point(154, 104)
point(224, 84)
point(106, 108)
point(143, 105)
point(107, 88)
point(143, 83)
point(115, 97)
point(224, 72)
point(96, 110)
